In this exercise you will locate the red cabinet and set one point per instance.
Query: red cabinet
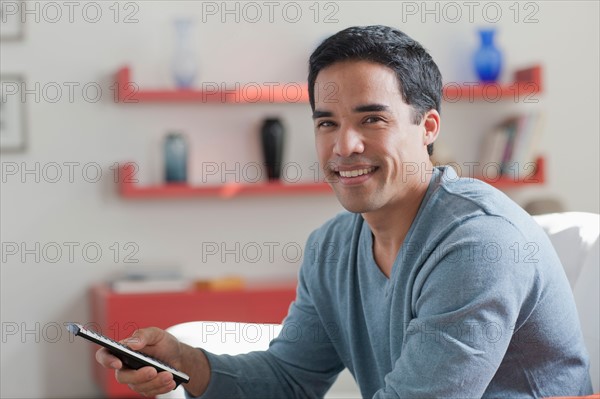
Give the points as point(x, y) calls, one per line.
point(118, 315)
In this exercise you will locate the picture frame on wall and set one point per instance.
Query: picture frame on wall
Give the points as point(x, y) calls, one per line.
point(11, 25)
point(12, 114)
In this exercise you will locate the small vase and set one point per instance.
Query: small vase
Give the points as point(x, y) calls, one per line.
point(175, 158)
point(487, 59)
point(184, 63)
point(273, 137)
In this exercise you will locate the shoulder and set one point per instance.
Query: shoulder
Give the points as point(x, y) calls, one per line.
point(454, 200)
point(462, 215)
point(471, 231)
point(470, 194)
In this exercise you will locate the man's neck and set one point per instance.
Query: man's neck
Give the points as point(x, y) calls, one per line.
point(390, 225)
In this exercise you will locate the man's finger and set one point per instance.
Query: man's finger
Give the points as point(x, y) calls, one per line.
point(158, 384)
point(164, 389)
point(135, 377)
point(105, 358)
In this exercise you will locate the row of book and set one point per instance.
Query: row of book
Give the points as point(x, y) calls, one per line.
point(511, 147)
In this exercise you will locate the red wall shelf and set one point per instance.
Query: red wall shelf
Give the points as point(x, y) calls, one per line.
point(537, 176)
point(128, 187)
point(250, 93)
point(527, 82)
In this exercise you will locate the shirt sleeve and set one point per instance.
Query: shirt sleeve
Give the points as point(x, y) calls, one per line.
point(300, 363)
point(467, 301)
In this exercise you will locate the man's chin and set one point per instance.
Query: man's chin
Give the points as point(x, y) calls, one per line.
point(355, 206)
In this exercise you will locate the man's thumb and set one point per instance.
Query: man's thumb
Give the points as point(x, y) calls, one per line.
point(136, 341)
point(143, 337)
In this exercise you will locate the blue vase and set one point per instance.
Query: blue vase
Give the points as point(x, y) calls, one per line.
point(488, 59)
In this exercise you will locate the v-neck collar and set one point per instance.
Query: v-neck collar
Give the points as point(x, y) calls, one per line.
point(367, 234)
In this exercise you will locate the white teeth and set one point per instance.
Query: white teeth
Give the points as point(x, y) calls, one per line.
point(357, 172)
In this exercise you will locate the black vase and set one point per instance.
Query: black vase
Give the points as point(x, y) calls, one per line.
point(273, 137)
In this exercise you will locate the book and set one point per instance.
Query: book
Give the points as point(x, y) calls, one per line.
point(232, 283)
point(511, 130)
point(492, 151)
point(150, 279)
point(151, 285)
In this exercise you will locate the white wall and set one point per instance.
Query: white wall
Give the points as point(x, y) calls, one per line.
point(37, 295)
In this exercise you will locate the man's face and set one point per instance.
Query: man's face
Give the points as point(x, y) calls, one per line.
point(366, 141)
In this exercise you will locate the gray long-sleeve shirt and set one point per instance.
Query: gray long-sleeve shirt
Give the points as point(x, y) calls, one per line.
point(477, 305)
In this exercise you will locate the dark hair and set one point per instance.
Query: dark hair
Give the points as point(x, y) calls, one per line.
point(419, 78)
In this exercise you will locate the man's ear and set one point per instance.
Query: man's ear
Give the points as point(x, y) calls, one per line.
point(431, 126)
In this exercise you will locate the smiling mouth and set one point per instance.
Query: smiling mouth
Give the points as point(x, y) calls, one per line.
point(356, 172)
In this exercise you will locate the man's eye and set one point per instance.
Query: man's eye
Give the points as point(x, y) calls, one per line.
point(324, 124)
point(373, 119)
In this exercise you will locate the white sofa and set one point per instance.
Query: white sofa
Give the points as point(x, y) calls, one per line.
point(235, 338)
point(574, 236)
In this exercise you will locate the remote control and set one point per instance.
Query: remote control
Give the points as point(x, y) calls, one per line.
point(130, 358)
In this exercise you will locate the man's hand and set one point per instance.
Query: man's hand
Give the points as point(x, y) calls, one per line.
point(164, 347)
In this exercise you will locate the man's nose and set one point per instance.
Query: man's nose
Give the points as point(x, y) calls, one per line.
point(348, 141)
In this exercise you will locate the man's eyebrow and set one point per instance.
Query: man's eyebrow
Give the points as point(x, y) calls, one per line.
point(371, 108)
point(361, 108)
point(321, 114)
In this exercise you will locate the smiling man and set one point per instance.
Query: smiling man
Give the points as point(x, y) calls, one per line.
point(429, 286)
point(367, 135)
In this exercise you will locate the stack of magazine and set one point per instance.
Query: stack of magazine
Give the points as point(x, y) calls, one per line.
point(148, 280)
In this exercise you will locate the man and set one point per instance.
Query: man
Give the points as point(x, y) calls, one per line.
point(430, 286)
